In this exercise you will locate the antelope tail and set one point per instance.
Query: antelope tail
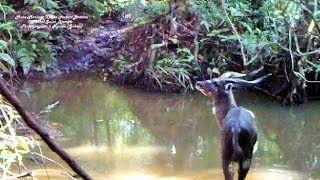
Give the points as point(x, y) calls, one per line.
point(235, 143)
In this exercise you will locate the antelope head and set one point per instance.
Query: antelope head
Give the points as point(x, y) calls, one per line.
point(221, 85)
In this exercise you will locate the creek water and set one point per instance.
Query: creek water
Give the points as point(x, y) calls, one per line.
point(118, 132)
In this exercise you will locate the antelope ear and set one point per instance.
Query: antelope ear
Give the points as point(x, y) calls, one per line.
point(228, 86)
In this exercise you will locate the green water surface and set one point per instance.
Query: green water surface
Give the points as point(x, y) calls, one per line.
point(118, 132)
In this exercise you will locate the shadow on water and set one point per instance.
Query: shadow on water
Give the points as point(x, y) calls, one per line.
point(121, 133)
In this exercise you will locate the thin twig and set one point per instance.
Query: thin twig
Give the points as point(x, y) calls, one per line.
point(153, 49)
point(290, 51)
point(4, 13)
point(297, 54)
point(48, 159)
point(286, 73)
point(235, 31)
point(196, 49)
point(311, 15)
point(269, 93)
point(34, 172)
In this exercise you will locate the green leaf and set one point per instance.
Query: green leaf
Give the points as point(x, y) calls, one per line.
point(26, 63)
point(25, 146)
point(246, 25)
point(205, 24)
point(216, 32)
point(236, 12)
point(3, 44)
point(40, 34)
point(8, 9)
point(8, 26)
point(49, 4)
point(250, 42)
point(5, 57)
point(227, 38)
point(34, 46)
point(3, 67)
point(39, 8)
point(28, 2)
point(23, 52)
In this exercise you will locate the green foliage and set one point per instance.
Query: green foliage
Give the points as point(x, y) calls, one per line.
point(156, 8)
point(26, 58)
point(141, 21)
point(175, 68)
point(28, 52)
point(141, 13)
point(250, 42)
point(34, 50)
point(94, 6)
point(7, 27)
point(263, 29)
point(209, 11)
point(6, 58)
point(48, 4)
point(7, 10)
point(12, 146)
point(122, 66)
point(116, 4)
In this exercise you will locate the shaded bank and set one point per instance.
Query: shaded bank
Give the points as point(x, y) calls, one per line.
point(123, 53)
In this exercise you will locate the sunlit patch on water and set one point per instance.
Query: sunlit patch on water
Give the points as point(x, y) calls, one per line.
point(144, 174)
point(274, 174)
point(255, 174)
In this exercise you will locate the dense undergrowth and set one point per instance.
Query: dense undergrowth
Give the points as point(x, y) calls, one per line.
point(173, 44)
point(281, 36)
point(24, 50)
point(13, 146)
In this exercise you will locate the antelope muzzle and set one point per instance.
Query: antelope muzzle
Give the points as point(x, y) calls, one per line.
point(208, 87)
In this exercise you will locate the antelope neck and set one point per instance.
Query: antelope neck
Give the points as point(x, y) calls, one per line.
point(222, 105)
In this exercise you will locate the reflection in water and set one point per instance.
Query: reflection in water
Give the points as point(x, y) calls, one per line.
point(118, 133)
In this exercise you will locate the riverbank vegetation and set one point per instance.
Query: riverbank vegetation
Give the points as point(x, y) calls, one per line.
point(168, 45)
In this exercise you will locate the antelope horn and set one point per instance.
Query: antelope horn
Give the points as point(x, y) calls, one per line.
point(245, 82)
point(239, 75)
point(254, 72)
point(231, 75)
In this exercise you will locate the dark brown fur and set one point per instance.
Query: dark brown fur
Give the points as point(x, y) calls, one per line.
point(238, 129)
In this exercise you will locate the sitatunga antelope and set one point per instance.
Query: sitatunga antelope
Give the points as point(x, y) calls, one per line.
point(237, 124)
